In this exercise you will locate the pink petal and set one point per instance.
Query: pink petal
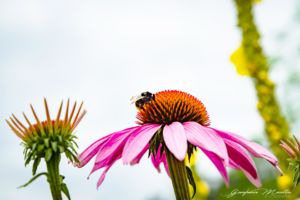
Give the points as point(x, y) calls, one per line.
point(156, 160)
point(241, 160)
point(137, 159)
point(114, 143)
point(254, 148)
point(137, 142)
point(112, 148)
point(91, 151)
point(217, 161)
point(159, 158)
point(175, 139)
point(108, 161)
point(206, 138)
point(102, 177)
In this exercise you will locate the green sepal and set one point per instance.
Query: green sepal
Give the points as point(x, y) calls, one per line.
point(46, 142)
point(72, 148)
point(35, 165)
point(71, 156)
point(61, 148)
point(28, 158)
point(155, 142)
point(191, 180)
point(74, 143)
point(54, 146)
point(33, 179)
point(40, 147)
point(48, 154)
point(60, 139)
point(65, 190)
point(33, 147)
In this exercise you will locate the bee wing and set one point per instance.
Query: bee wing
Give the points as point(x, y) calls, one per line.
point(135, 98)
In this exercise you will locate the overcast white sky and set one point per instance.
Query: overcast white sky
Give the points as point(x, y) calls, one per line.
point(104, 52)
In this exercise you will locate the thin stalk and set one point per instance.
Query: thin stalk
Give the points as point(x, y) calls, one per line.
point(179, 177)
point(54, 178)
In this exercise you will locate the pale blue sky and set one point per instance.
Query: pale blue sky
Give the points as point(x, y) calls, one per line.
point(104, 52)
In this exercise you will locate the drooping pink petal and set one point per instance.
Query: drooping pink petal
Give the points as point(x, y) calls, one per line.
point(91, 151)
point(137, 142)
point(206, 138)
point(156, 160)
point(159, 158)
point(241, 160)
point(107, 161)
point(218, 162)
point(102, 177)
point(175, 139)
point(114, 143)
point(254, 148)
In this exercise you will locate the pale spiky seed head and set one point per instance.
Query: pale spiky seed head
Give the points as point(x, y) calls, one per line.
point(44, 138)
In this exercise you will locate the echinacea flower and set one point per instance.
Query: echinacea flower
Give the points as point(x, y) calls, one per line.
point(47, 140)
point(292, 148)
point(171, 125)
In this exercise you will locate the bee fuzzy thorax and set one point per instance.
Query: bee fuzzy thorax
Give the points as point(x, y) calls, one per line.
point(142, 99)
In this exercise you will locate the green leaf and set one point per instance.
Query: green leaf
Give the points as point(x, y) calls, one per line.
point(65, 190)
point(48, 154)
point(191, 180)
point(54, 146)
point(35, 165)
point(33, 179)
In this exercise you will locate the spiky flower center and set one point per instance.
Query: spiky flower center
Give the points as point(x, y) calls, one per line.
point(172, 105)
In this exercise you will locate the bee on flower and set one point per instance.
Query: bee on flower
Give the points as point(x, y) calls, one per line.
point(171, 126)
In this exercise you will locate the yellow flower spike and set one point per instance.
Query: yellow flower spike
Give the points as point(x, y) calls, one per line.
point(276, 135)
point(256, 1)
point(284, 182)
point(240, 62)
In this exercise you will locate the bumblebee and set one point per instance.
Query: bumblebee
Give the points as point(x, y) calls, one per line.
point(142, 99)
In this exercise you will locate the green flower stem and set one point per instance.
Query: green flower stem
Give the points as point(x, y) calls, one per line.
point(54, 178)
point(179, 177)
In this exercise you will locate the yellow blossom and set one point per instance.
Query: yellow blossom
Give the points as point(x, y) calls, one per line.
point(240, 61)
point(284, 182)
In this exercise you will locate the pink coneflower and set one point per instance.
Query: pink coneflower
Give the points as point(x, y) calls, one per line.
point(171, 125)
